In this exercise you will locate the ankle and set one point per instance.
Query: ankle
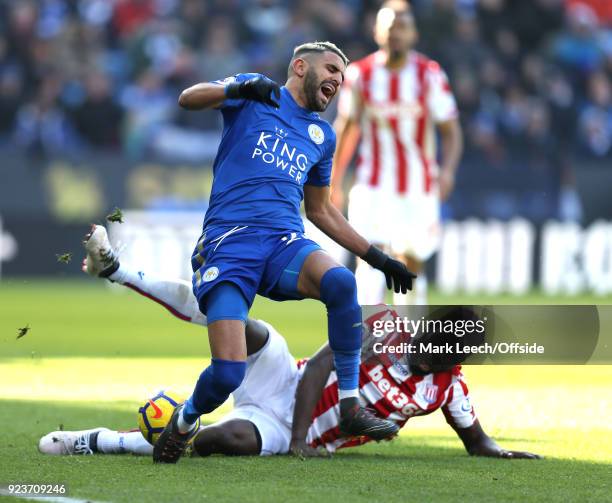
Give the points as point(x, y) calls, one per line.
point(349, 406)
point(184, 427)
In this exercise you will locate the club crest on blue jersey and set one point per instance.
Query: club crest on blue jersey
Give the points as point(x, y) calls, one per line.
point(316, 134)
point(211, 274)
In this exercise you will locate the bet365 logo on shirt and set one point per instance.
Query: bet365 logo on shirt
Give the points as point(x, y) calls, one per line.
point(272, 148)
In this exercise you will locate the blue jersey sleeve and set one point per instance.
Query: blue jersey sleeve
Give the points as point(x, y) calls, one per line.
point(320, 174)
point(239, 77)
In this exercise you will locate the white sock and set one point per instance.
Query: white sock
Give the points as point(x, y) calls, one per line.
point(184, 426)
point(415, 297)
point(371, 286)
point(348, 393)
point(175, 295)
point(121, 442)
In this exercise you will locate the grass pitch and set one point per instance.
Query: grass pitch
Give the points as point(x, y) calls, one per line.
point(92, 355)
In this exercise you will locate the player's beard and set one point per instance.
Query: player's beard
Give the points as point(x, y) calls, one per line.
point(311, 89)
point(397, 55)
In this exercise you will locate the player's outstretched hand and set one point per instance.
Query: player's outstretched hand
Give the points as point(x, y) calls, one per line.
point(260, 89)
point(398, 277)
point(302, 450)
point(488, 448)
point(518, 455)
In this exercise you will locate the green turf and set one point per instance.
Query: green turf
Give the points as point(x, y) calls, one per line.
point(413, 468)
point(92, 355)
point(77, 318)
point(87, 318)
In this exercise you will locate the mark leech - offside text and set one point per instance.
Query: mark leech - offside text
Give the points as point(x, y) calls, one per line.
point(457, 348)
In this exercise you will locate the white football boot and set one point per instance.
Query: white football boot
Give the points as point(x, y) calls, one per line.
point(101, 260)
point(68, 443)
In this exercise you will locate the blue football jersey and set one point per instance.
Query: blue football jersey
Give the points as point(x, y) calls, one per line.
point(265, 157)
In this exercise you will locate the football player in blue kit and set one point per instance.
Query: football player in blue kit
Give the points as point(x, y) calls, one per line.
point(275, 151)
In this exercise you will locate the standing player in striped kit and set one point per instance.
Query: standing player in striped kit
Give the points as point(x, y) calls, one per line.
point(396, 99)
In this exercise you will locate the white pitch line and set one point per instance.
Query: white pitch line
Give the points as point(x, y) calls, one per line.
point(50, 499)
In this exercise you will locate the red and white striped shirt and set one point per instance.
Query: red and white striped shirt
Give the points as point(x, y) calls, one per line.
point(390, 391)
point(397, 110)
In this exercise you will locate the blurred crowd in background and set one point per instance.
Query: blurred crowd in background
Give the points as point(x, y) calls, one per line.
point(533, 78)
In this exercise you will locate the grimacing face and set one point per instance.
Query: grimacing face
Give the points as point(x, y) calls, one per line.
point(395, 31)
point(324, 75)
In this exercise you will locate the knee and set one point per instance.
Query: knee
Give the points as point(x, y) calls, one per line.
point(228, 441)
point(236, 437)
point(221, 439)
point(227, 375)
point(338, 287)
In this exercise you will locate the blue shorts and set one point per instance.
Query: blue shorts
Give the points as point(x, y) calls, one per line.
point(257, 260)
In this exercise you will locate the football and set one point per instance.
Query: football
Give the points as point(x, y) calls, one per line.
point(155, 413)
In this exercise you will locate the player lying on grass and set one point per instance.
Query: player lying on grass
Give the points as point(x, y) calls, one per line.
point(267, 420)
point(283, 406)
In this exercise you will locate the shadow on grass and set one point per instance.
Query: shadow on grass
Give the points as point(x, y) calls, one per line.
point(436, 472)
point(415, 436)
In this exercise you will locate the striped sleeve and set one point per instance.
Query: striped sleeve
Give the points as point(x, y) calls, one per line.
point(440, 100)
point(458, 409)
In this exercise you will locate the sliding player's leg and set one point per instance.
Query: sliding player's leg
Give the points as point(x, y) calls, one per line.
point(94, 441)
point(174, 294)
point(236, 437)
point(222, 436)
point(260, 423)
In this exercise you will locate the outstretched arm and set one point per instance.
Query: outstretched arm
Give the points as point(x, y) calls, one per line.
point(460, 415)
point(307, 395)
point(213, 94)
point(203, 95)
point(321, 212)
point(478, 443)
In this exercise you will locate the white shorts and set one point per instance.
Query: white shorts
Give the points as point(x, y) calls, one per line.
point(266, 396)
point(405, 224)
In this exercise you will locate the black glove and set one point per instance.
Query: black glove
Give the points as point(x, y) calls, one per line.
point(397, 274)
point(260, 89)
